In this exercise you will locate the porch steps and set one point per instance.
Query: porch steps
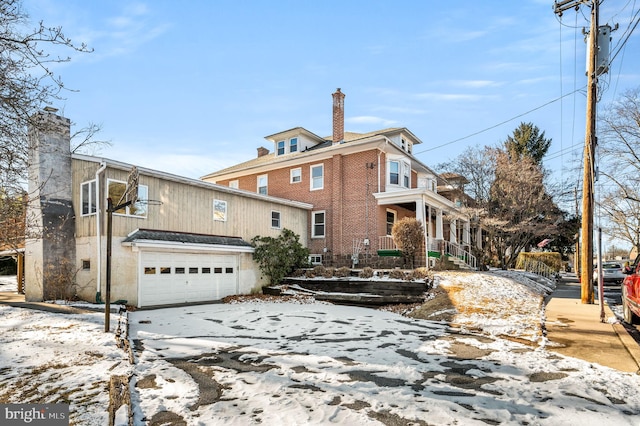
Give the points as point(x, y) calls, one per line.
point(459, 263)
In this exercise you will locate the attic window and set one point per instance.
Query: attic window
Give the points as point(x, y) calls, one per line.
point(293, 145)
point(280, 148)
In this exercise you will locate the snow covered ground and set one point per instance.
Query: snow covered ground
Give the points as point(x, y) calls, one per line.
point(302, 362)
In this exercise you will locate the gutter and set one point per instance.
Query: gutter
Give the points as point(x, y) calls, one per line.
point(103, 166)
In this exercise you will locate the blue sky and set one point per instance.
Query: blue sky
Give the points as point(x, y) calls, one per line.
point(191, 87)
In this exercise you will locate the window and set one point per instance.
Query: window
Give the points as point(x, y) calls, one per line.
point(406, 173)
point(180, 270)
point(262, 184)
point(280, 148)
point(206, 270)
point(217, 270)
point(317, 177)
point(234, 184)
point(220, 210)
point(315, 259)
point(391, 219)
point(394, 172)
point(86, 265)
point(293, 144)
point(275, 219)
point(193, 270)
point(296, 175)
point(88, 198)
point(115, 190)
point(228, 270)
point(165, 270)
point(318, 225)
point(149, 270)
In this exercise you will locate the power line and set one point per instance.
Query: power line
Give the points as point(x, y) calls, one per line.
point(501, 123)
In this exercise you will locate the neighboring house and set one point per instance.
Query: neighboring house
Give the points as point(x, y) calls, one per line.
point(359, 186)
point(183, 241)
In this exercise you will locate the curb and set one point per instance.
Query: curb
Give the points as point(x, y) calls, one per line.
point(628, 342)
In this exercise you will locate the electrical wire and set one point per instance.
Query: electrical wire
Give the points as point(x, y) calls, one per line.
point(501, 123)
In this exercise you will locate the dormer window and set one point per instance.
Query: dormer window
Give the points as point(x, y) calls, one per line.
point(287, 146)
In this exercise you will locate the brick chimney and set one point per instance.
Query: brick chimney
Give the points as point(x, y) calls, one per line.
point(262, 151)
point(338, 116)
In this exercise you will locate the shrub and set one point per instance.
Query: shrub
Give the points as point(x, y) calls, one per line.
point(342, 272)
point(328, 273)
point(367, 272)
point(397, 274)
point(408, 234)
point(278, 257)
point(319, 270)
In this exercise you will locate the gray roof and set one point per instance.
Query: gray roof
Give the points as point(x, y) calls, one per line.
point(185, 237)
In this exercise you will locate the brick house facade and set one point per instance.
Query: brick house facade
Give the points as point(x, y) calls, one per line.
point(359, 185)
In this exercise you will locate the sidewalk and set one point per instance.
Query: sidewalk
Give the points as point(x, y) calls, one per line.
point(574, 329)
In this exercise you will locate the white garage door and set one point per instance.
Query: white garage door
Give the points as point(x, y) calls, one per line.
point(186, 277)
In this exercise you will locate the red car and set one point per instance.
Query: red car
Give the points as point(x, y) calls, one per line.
point(631, 292)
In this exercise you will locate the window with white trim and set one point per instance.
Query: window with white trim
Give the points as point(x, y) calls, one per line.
point(88, 198)
point(280, 148)
point(295, 175)
point(391, 219)
point(406, 175)
point(234, 184)
point(262, 184)
point(315, 259)
point(317, 177)
point(275, 219)
point(293, 145)
point(318, 224)
point(220, 210)
point(394, 172)
point(115, 189)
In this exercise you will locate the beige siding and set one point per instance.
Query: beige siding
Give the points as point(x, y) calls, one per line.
point(181, 207)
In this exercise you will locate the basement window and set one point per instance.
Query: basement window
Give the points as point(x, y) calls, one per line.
point(86, 265)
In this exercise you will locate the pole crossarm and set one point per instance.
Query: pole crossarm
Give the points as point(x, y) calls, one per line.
point(560, 6)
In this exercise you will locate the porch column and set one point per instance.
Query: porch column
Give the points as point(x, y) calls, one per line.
point(439, 225)
point(453, 231)
point(466, 233)
point(479, 237)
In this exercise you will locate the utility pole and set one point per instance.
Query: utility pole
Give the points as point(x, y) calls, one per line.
point(588, 175)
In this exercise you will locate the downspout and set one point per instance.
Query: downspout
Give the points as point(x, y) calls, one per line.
point(103, 166)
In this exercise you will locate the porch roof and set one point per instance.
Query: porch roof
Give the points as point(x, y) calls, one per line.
point(414, 195)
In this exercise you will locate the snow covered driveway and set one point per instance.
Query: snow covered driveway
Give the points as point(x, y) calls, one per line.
point(295, 364)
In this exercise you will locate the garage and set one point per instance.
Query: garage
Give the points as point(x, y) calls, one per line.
point(186, 277)
point(186, 268)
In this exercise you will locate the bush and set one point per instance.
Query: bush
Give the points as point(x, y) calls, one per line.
point(342, 272)
point(319, 270)
point(367, 272)
point(397, 274)
point(408, 234)
point(278, 257)
point(328, 273)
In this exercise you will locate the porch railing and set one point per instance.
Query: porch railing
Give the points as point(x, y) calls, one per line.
point(386, 243)
point(458, 251)
point(539, 268)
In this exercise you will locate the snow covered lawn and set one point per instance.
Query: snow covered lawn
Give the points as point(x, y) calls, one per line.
point(298, 363)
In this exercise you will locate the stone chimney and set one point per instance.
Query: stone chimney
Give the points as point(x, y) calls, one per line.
point(50, 260)
point(338, 116)
point(262, 151)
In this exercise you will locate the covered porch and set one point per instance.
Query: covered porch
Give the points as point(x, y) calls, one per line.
point(447, 232)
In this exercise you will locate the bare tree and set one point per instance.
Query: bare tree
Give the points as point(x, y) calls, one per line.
point(27, 83)
point(619, 168)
